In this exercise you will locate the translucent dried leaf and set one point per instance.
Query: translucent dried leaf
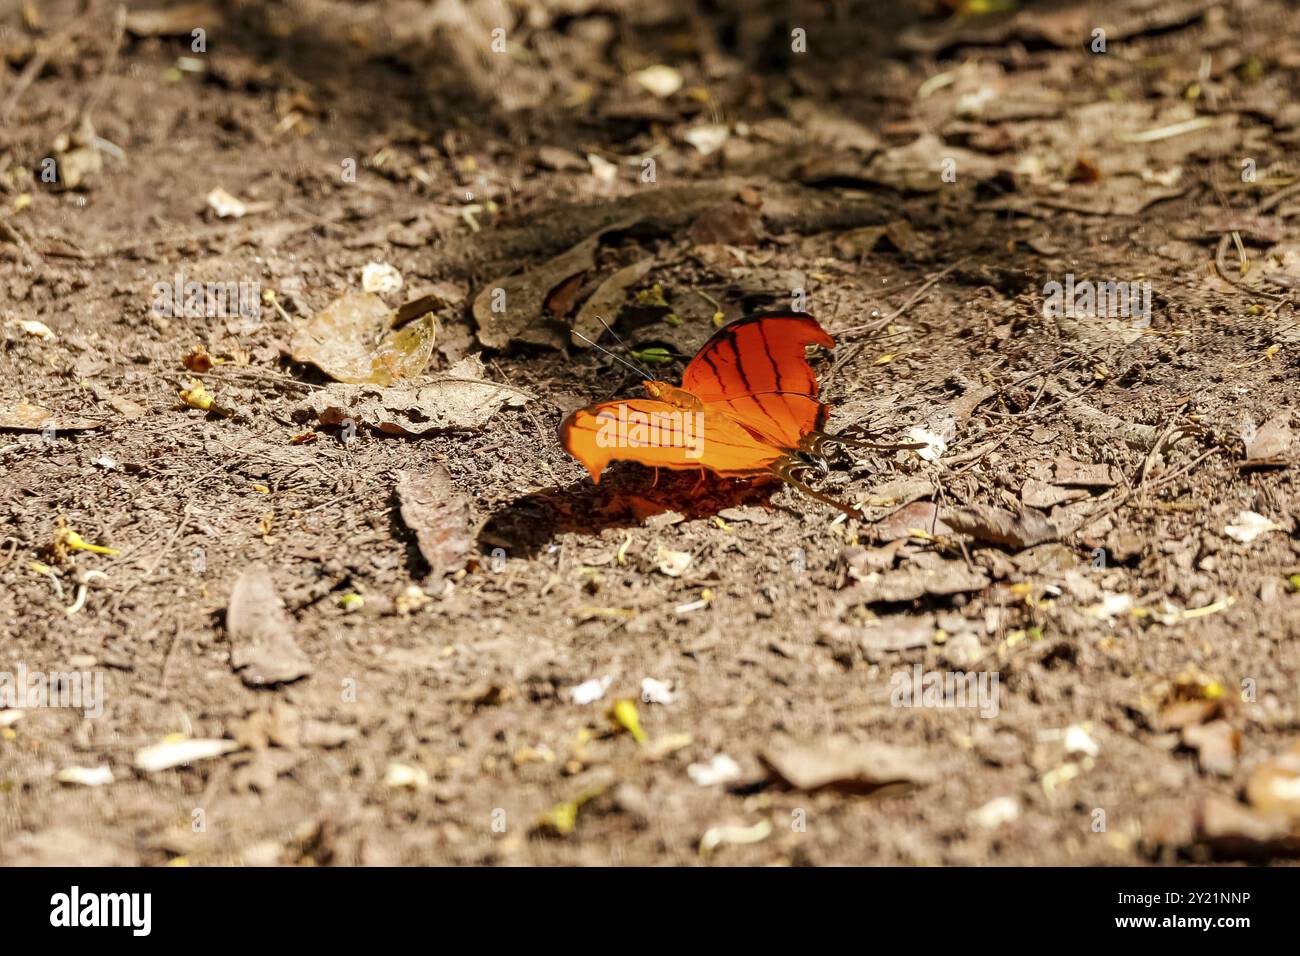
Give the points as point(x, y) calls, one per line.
point(353, 340)
point(25, 417)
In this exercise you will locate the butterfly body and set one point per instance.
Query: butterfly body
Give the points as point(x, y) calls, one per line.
point(674, 396)
point(747, 406)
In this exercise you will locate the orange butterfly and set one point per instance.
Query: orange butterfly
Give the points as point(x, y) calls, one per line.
point(747, 406)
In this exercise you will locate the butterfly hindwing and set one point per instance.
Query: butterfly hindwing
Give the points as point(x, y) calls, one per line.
point(755, 371)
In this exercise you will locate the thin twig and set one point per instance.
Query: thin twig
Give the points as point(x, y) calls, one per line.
point(911, 300)
point(110, 63)
point(41, 56)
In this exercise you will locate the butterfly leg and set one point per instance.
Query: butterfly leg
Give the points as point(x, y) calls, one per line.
point(655, 483)
point(785, 471)
point(699, 484)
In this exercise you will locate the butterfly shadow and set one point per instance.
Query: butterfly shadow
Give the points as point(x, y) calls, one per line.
point(625, 498)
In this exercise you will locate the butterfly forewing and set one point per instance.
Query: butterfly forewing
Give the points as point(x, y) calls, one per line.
point(661, 435)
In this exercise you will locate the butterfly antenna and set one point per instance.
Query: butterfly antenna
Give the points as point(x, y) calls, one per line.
point(626, 348)
point(618, 358)
point(613, 333)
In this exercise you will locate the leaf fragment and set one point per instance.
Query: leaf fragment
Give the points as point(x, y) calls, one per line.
point(606, 302)
point(177, 751)
point(1016, 530)
point(440, 515)
point(263, 649)
point(514, 309)
point(196, 395)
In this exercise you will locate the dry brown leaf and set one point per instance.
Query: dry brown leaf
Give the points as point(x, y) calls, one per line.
point(513, 308)
point(353, 340)
point(999, 526)
point(1271, 443)
point(606, 301)
point(564, 297)
point(1039, 494)
point(1060, 24)
point(1086, 474)
point(917, 516)
point(460, 401)
point(25, 417)
point(428, 299)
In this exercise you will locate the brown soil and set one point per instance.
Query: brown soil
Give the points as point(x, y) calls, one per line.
point(789, 623)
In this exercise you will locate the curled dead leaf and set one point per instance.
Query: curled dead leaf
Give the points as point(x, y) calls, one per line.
point(514, 308)
point(606, 301)
point(460, 401)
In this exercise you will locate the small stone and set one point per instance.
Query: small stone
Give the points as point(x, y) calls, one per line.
point(996, 812)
